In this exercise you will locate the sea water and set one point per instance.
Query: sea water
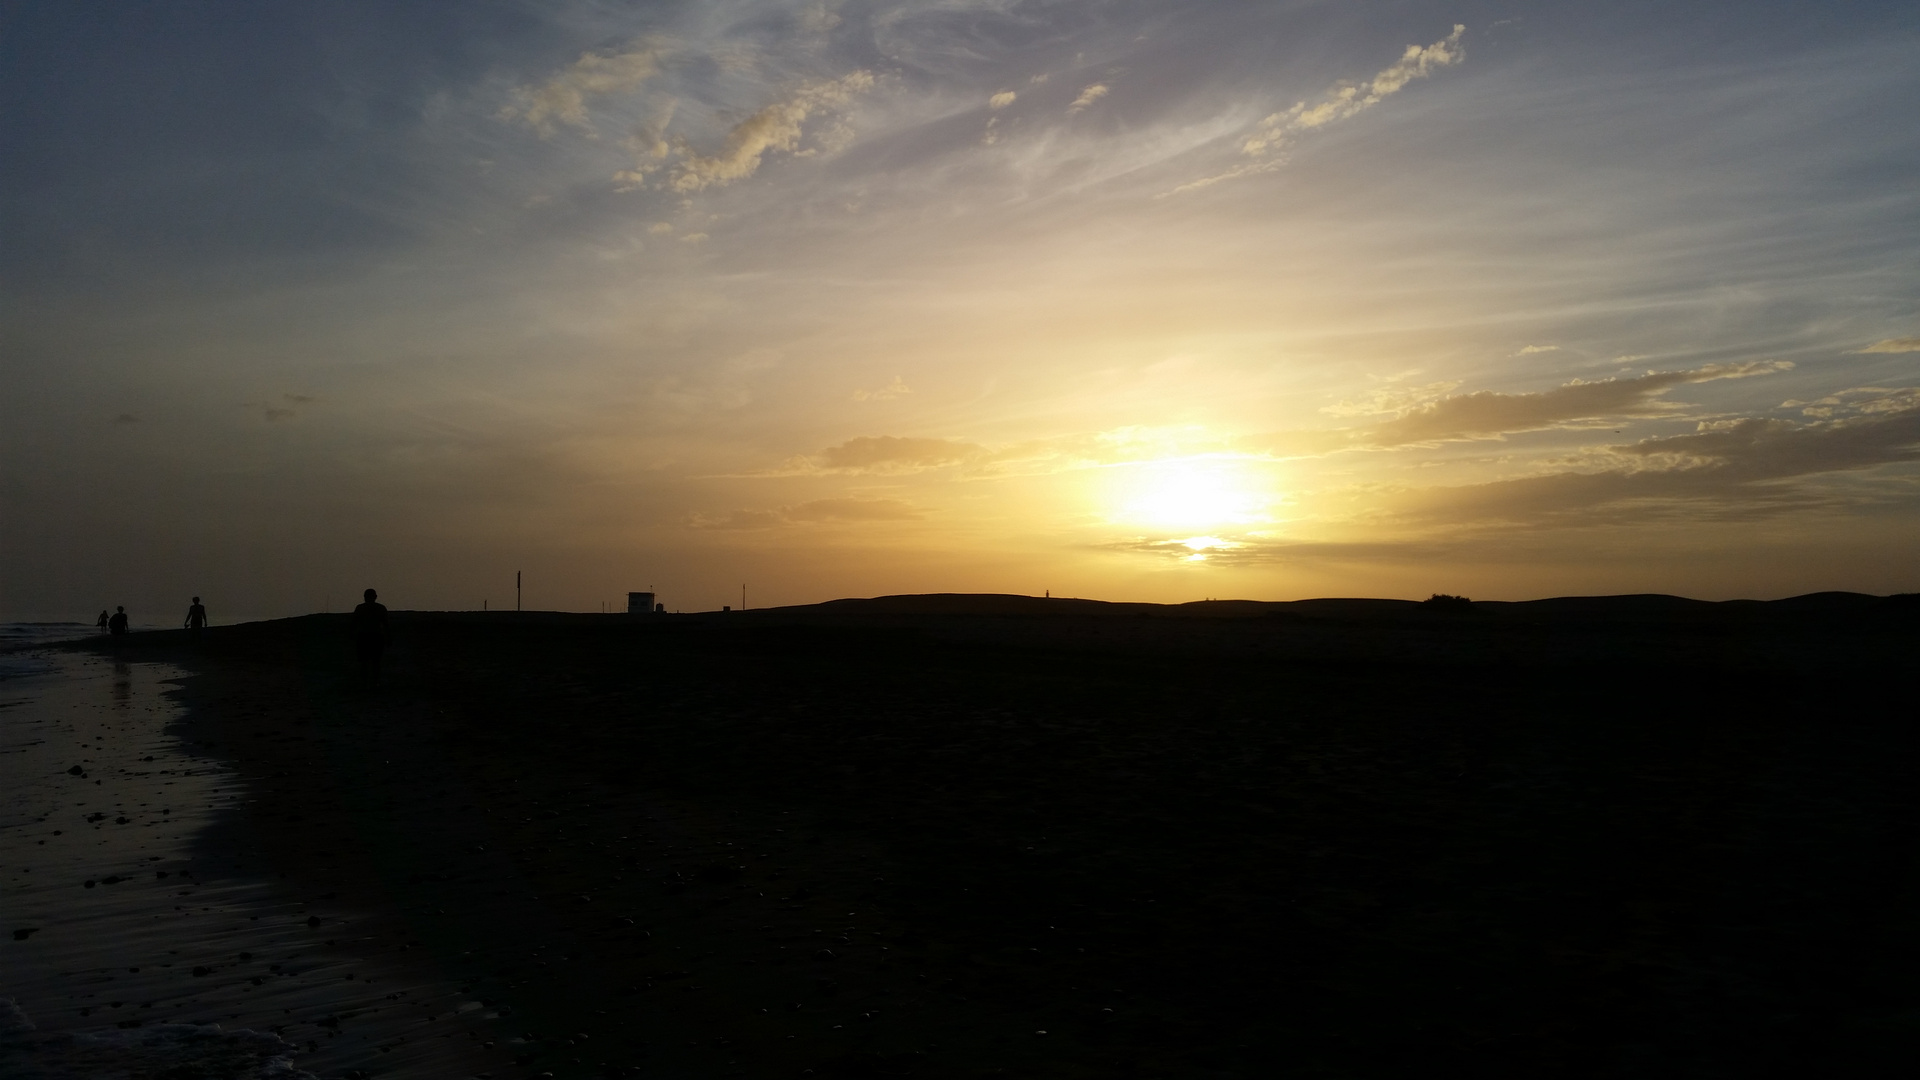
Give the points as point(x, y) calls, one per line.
point(131, 946)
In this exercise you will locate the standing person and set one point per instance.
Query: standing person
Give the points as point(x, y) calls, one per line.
point(117, 626)
point(196, 616)
point(370, 636)
point(101, 622)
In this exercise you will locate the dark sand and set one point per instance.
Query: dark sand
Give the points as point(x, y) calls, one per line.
point(999, 836)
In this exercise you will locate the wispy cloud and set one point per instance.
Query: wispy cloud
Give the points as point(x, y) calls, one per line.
point(815, 512)
point(1487, 414)
point(1858, 401)
point(273, 411)
point(716, 387)
point(1753, 466)
point(894, 389)
point(1087, 97)
point(1892, 345)
point(1225, 553)
point(1349, 100)
point(1430, 413)
point(776, 128)
point(1395, 397)
point(563, 98)
point(892, 454)
point(1883, 428)
point(1342, 102)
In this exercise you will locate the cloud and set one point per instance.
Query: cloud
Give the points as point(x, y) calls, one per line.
point(1394, 397)
point(1487, 414)
point(273, 412)
point(1529, 350)
point(818, 19)
point(891, 453)
point(1731, 469)
point(1343, 101)
point(126, 418)
point(1892, 345)
point(1862, 400)
point(1087, 97)
point(894, 389)
point(1001, 100)
point(724, 386)
point(1883, 429)
point(1430, 414)
point(1348, 100)
point(815, 512)
point(1296, 444)
point(563, 98)
point(1260, 551)
point(777, 127)
point(853, 510)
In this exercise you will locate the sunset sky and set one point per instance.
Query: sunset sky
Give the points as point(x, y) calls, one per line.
point(1129, 300)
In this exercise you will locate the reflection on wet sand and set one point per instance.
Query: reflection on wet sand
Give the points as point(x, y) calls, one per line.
point(141, 917)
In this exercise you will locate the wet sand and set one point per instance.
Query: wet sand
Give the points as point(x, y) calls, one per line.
point(147, 928)
point(939, 840)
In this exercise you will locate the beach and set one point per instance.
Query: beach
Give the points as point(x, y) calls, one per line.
point(152, 930)
point(974, 836)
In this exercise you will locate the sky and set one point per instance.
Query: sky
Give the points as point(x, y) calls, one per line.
point(1129, 300)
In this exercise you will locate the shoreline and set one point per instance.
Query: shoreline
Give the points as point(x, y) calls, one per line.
point(178, 930)
point(1177, 847)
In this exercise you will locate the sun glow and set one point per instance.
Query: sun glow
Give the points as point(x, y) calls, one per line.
point(1201, 546)
point(1191, 492)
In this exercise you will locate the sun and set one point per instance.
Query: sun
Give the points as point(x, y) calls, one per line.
point(1200, 492)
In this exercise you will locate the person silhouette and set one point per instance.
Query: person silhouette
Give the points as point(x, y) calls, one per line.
point(117, 626)
point(101, 622)
point(370, 636)
point(196, 616)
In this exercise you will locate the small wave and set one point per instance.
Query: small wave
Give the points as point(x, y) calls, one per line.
point(17, 638)
point(38, 633)
point(202, 1051)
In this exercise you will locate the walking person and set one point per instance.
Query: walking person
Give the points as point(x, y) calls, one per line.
point(370, 636)
point(196, 616)
point(101, 622)
point(117, 625)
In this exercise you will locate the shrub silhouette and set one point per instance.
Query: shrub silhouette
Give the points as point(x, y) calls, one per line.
point(1445, 602)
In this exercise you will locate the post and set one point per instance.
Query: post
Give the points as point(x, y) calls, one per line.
point(516, 590)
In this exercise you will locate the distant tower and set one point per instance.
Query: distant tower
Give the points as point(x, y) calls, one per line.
point(640, 603)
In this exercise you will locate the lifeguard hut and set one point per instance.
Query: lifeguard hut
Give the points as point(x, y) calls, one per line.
point(641, 603)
